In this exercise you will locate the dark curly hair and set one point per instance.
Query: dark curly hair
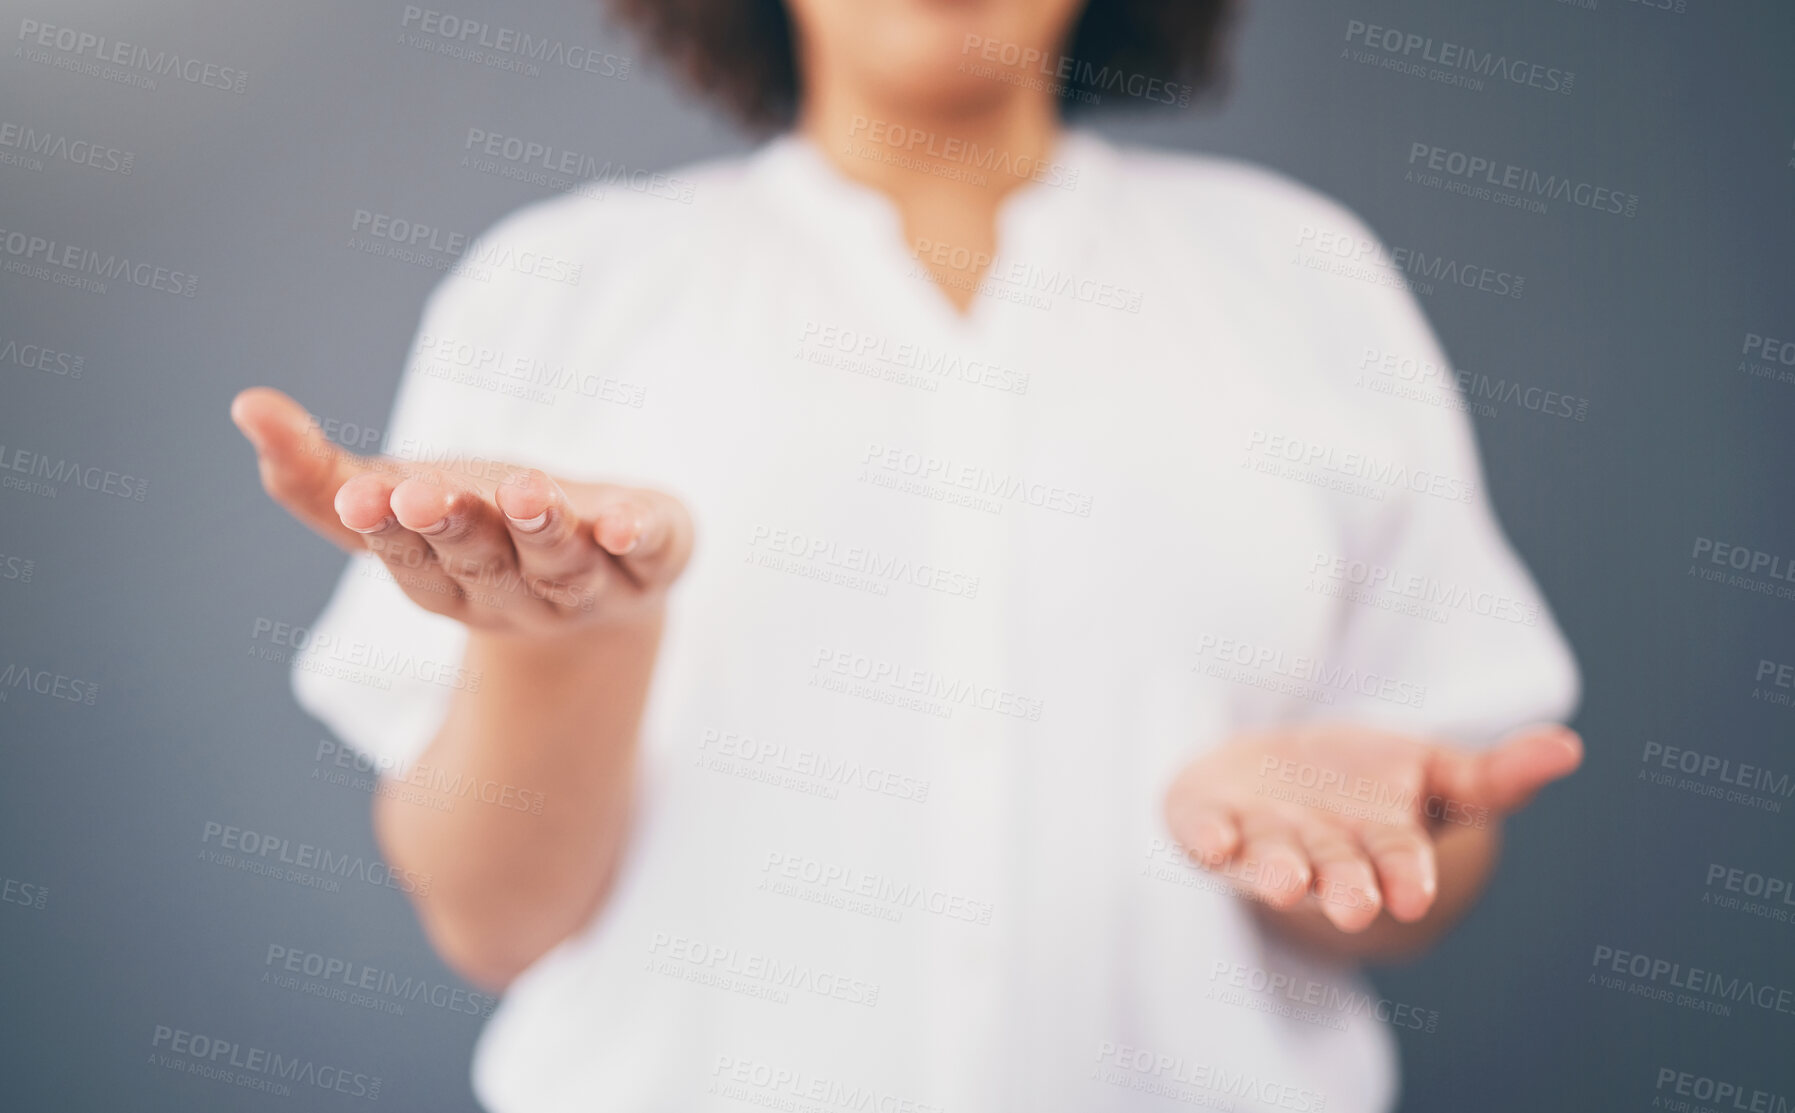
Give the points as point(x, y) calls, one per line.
point(739, 52)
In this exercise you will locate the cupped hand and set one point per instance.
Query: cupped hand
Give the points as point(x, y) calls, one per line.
point(1350, 816)
point(495, 547)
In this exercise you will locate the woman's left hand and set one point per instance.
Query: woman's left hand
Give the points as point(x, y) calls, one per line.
point(1351, 816)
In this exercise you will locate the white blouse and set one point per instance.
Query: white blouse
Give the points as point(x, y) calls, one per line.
point(969, 591)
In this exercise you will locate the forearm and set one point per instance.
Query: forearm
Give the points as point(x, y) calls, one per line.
point(554, 723)
point(1466, 857)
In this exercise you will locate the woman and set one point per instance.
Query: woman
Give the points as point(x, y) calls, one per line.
point(1081, 666)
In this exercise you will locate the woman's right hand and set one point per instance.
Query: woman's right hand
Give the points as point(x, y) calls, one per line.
point(507, 550)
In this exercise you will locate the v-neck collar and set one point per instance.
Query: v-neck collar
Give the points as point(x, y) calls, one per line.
point(1040, 223)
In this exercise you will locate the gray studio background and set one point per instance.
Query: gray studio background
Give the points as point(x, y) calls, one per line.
point(103, 807)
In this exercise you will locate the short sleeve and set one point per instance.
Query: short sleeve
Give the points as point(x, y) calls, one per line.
point(1447, 633)
point(377, 669)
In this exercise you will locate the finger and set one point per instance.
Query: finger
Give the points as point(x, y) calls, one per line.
point(364, 505)
point(301, 469)
point(1272, 864)
point(1407, 869)
point(1506, 777)
point(551, 542)
point(1207, 832)
point(648, 532)
point(1345, 882)
point(465, 530)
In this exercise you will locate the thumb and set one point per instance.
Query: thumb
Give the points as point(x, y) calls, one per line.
point(1505, 777)
point(301, 468)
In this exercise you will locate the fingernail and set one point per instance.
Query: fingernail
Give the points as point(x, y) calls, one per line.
point(382, 524)
point(528, 525)
point(635, 539)
point(254, 438)
point(437, 528)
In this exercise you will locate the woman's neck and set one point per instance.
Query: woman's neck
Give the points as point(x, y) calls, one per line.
point(946, 169)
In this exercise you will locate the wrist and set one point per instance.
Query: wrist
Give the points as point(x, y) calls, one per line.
point(627, 634)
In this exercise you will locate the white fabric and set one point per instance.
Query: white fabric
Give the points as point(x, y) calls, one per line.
point(1174, 335)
